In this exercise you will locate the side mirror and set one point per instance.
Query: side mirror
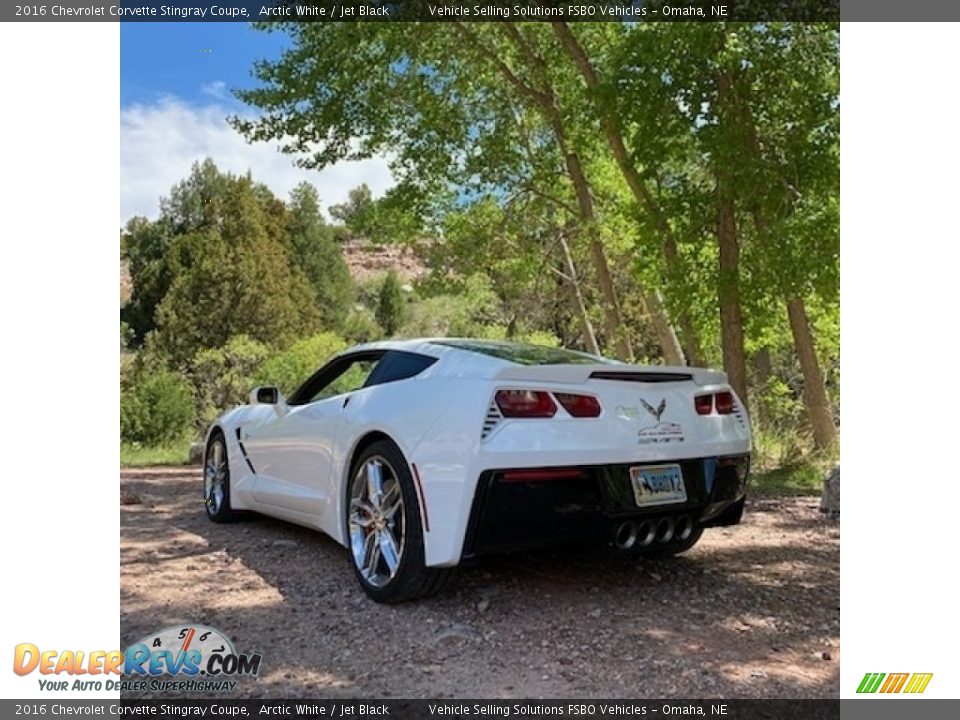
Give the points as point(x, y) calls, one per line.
point(267, 395)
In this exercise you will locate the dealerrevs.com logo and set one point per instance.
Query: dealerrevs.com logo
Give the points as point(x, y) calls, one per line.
point(189, 658)
point(910, 683)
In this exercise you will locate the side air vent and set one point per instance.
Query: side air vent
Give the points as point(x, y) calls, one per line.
point(644, 377)
point(493, 418)
point(243, 451)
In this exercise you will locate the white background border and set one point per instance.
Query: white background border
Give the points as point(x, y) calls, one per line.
point(59, 368)
point(900, 240)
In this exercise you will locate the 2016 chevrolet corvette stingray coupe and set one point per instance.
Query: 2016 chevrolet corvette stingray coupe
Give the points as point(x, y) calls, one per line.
point(420, 455)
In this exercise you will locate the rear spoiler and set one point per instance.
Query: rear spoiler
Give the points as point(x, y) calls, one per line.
point(576, 374)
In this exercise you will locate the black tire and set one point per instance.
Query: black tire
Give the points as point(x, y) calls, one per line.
point(367, 522)
point(674, 547)
point(216, 472)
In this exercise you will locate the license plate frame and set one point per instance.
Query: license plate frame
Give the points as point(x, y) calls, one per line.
point(658, 484)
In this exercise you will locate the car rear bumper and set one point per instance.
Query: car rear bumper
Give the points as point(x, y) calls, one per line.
point(525, 508)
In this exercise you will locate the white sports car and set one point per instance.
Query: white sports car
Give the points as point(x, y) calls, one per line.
point(419, 455)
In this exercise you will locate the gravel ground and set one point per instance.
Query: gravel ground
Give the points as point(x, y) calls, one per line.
point(751, 611)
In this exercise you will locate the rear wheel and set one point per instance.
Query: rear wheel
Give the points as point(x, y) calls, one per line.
point(385, 531)
point(216, 480)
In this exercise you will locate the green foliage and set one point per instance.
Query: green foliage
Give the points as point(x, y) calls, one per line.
point(234, 277)
point(391, 305)
point(314, 251)
point(288, 369)
point(360, 326)
point(221, 377)
point(227, 258)
point(137, 455)
point(156, 407)
point(351, 213)
point(126, 336)
point(805, 478)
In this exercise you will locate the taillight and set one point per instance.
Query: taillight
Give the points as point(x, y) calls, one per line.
point(722, 401)
point(579, 405)
point(525, 404)
point(725, 403)
point(703, 404)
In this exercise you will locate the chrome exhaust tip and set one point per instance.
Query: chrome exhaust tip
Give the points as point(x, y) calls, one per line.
point(646, 532)
point(625, 536)
point(684, 528)
point(665, 529)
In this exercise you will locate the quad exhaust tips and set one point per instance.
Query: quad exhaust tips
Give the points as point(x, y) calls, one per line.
point(625, 536)
point(646, 532)
point(630, 534)
point(683, 528)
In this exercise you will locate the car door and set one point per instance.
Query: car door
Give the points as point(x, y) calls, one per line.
point(292, 455)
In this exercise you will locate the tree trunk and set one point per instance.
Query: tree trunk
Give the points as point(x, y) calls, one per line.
point(672, 354)
point(589, 336)
point(728, 241)
point(814, 388)
point(672, 351)
point(691, 337)
point(611, 306)
point(544, 100)
point(731, 318)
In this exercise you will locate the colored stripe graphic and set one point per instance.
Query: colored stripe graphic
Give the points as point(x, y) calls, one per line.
point(918, 682)
point(870, 682)
point(895, 682)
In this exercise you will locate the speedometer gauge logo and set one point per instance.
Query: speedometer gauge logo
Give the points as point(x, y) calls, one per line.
point(188, 650)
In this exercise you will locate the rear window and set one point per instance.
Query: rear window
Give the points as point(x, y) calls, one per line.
point(398, 365)
point(526, 354)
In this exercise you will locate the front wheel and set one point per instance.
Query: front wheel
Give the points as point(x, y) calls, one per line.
point(385, 531)
point(216, 480)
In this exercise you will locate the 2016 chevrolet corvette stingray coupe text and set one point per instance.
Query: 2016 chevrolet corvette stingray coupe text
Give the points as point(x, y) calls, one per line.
point(419, 455)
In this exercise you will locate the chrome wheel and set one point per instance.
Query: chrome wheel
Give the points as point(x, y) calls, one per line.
point(376, 521)
point(214, 477)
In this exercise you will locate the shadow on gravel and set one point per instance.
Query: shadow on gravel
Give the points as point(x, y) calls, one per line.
point(751, 612)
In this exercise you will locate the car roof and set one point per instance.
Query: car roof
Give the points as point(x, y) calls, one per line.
point(433, 346)
point(486, 352)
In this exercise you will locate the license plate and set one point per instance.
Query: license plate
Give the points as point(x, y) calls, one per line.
point(658, 484)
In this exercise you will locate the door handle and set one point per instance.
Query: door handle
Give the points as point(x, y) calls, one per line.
point(346, 401)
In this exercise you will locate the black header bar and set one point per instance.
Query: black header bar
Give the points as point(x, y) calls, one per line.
point(460, 10)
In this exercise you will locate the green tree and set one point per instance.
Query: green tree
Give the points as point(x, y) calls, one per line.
point(144, 246)
point(315, 252)
point(391, 305)
point(352, 212)
point(232, 274)
point(467, 104)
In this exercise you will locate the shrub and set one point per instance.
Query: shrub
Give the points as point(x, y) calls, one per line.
point(156, 407)
point(223, 377)
point(288, 369)
point(361, 326)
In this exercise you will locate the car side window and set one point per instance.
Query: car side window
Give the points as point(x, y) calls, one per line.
point(353, 377)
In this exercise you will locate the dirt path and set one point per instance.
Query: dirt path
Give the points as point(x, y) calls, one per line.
point(752, 611)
